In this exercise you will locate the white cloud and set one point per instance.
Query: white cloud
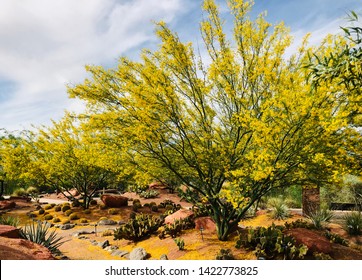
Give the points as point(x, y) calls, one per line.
point(45, 45)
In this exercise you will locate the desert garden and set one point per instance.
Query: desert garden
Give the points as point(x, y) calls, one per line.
point(165, 226)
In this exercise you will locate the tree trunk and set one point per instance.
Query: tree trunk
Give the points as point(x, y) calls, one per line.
point(310, 200)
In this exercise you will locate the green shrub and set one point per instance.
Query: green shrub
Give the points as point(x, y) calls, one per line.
point(149, 194)
point(353, 223)
point(108, 232)
point(39, 233)
point(65, 208)
point(75, 203)
point(139, 228)
point(10, 221)
point(225, 254)
point(48, 207)
point(271, 243)
point(41, 211)
point(320, 218)
point(300, 223)
point(73, 216)
point(93, 202)
point(33, 192)
point(20, 192)
point(154, 208)
point(32, 215)
point(135, 201)
point(48, 217)
point(56, 220)
point(175, 229)
point(68, 212)
point(57, 208)
point(321, 256)
point(279, 209)
point(113, 211)
point(180, 243)
point(335, 238)
point(136, 206)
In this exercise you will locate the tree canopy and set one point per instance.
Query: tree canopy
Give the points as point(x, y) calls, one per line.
point(231, 125)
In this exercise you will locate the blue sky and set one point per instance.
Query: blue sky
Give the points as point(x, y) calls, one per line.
point(44, 44)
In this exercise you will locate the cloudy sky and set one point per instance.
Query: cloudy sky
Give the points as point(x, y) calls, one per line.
point(45, 44)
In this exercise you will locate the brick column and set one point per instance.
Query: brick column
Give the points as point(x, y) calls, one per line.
point(310, 200)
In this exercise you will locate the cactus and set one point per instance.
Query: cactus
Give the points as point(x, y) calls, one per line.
point(139, 228)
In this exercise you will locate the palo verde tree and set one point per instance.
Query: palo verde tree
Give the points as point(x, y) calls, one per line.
point(64, 157)
point(230, 129)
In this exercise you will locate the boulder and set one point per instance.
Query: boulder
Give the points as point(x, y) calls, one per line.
point(138, 254)
point(178, 215)
point(20, 249)
point(114, 201)
point(6, 204)
point(107, 222)
point(9, 231)
point(206, 223)
point(313, 240)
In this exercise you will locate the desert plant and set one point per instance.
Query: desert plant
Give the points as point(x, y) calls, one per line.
point(271, 243)
point(180, 243)
point(57, 208)
point(83, 221)
point(48, 207)
point(225, 254)
point(75, 203)
point(321, 256)
point(113, 211)
point(39, 233)
point(103, 218)
point(175, 229)
point(20, 192)
point(67, 221)
point(279, 209)
point(65, 208)
point(353, 223)
point(48, 217)
point(154, 208)
point(33, 192)
point(93, 202)
point(136, 206)
point(41, 211)
point(135, 201)
point(108, 232)
point(73, 216)
point(68, 212)
point(149, 194)
point(138, 228)
point(299, 224)
point(320, 218)
point(335, 238)
point(10, 221)
point(56, 220)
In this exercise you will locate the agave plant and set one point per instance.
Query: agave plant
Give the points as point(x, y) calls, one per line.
point(11, 221)
point(353, 223)
point(320, 218)
point(39, 233)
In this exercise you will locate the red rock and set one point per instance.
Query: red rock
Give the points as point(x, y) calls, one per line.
point(206, 223)
point(20, 249)
point(314, 241)
point(178, 215)
point(5, 204)
point(157, 184)
point(113, 200)
point(9, 231)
